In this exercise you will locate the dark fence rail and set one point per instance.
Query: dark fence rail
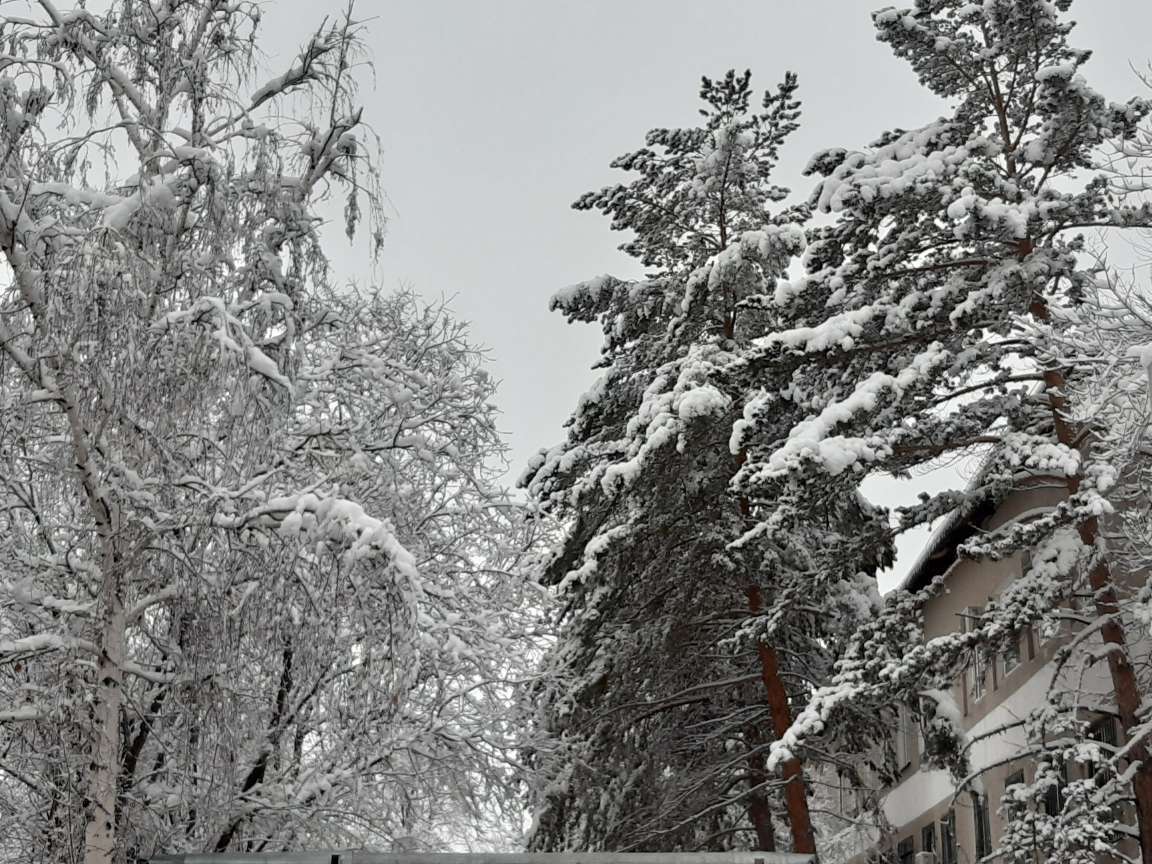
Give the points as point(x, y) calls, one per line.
point(336, 856)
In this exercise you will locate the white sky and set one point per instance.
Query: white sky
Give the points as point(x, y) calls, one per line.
point(496, 115)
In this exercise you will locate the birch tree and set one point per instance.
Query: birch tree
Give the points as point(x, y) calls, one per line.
point(257, 586)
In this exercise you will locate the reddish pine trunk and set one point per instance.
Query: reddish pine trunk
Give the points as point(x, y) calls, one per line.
point(759, 811)
point(761, 815)
point(795, 795)
point(1124, 684)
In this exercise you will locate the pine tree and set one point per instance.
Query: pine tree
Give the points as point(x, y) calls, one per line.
point(673, 672)
point(928, 315)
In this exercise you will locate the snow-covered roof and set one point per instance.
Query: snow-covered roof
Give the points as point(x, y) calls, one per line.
point(941, 546)
point(960, 523)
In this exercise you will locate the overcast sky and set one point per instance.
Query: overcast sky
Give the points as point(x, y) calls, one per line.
point(496, 114)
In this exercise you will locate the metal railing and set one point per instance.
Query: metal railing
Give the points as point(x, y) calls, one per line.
point(353, 857)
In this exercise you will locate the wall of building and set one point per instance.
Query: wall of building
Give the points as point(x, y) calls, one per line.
point(922, 799)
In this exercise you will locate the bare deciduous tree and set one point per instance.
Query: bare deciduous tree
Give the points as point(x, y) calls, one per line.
point(256, 586)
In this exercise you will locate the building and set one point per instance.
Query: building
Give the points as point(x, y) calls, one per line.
point(928, 821)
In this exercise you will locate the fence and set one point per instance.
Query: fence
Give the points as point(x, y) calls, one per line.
point(352, 857)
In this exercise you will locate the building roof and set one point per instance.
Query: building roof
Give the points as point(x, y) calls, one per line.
point(939, 552)
point(962, 522)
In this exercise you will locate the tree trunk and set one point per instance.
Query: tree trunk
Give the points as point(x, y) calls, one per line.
point(100, 828)
point(761, 815)
point(131, 757)
point(759, 811)
point(1125, 687)
point(795, 794)
point(270, 746)
point(103, 785)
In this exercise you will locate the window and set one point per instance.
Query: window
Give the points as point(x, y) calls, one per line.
point(1041, 633)
point(1104, 731)
point(1016, 779)
point(1010, 656)
point(907, 738)
point(948, 838)
point(1011, 811)
point(906, 851)
point(982, 825)
point(1054, 795)
point(1029, 636)
point(978, 671)
point(928, 838)
point(1046, 630)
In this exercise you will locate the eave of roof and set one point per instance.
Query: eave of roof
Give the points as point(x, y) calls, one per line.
point(939, 552)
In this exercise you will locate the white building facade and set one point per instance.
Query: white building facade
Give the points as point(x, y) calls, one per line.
point(926, 818)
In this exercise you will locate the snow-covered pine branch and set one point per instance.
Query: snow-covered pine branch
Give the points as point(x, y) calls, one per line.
point(943, 313)
point(681, 649)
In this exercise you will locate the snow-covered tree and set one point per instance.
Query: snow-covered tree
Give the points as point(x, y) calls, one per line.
point(255, 589)
point(682, 651)
point(927, 325)
point(1105, 338)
